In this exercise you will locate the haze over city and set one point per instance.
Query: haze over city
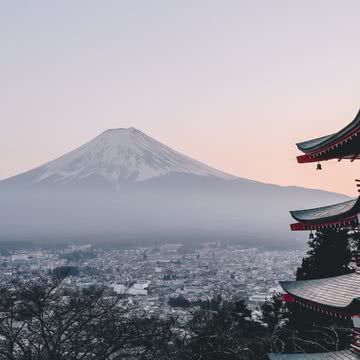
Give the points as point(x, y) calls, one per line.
point(233, 84)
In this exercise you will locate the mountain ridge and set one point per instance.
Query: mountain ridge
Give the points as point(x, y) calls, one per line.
point(179, 199)
point(119, 155)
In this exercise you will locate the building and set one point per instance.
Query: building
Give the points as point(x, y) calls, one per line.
point(344, 144)
point(336, 355)
point(336, 296)
point(342, 215)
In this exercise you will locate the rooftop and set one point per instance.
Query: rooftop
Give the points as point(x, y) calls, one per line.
point(342, 144)
point(339, 292)
point(328, 213)
point(336, 355)
point(317, 143)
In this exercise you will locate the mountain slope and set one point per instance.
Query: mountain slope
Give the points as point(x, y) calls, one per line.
point(114, 157)
point(152, 193)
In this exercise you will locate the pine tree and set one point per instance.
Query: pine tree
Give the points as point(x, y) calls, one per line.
point(329, 255)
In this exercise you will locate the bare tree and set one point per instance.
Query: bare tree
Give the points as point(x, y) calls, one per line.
point(43, 320)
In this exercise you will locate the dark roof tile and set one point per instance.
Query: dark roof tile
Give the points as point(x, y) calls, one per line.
point(338, 291)
point(318, 143)
point(327, 213)
point(335, 355)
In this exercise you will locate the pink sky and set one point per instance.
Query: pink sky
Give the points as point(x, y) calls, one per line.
point(234, 84)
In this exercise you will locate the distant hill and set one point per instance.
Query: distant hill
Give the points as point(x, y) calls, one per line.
point(125, 186)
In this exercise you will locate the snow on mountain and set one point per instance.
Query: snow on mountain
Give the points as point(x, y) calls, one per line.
point(120, 155)
point(165, 196)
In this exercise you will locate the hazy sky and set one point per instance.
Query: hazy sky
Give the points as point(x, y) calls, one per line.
point(231, 83)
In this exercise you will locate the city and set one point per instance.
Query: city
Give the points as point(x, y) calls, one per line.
point(150, 276)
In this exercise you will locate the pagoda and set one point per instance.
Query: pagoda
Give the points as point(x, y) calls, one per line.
point(344, 144)
point(337, 296)
point(342, 215)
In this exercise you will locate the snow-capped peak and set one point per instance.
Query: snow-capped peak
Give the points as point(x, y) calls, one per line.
point(119, 155)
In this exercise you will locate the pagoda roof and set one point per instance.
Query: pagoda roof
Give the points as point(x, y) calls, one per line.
point(341, 292)
point(334, 355)
point(328, 213)
point(342, 144)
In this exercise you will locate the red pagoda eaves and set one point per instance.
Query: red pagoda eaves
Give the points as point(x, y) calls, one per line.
point(334, 355)
point(342, 215)
point(345, 144)
point(338, 296)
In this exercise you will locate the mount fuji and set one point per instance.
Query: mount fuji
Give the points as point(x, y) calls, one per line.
point(116, 157)
point(125, 186)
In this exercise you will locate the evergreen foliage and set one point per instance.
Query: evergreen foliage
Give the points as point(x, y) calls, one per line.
point(329, 255)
